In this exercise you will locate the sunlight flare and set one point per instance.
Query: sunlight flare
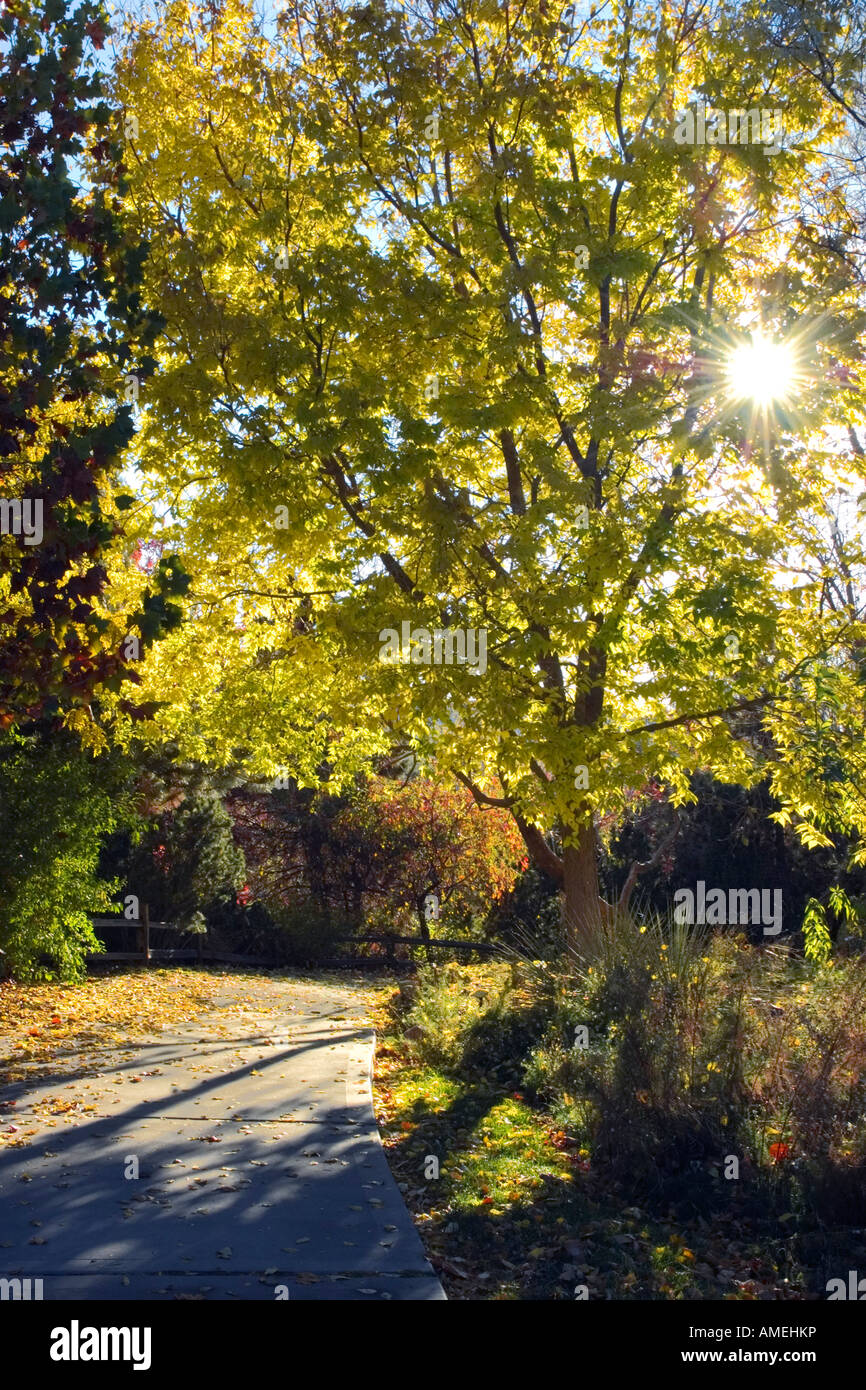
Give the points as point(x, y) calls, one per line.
point(761, 370)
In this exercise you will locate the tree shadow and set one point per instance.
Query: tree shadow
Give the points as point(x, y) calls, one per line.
point(240, 1202)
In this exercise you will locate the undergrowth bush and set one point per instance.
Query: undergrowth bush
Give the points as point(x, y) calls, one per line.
point(474, 1022)
point(700, 1048)
point(301, 934)
point(645, 1053)
point(670, 1052)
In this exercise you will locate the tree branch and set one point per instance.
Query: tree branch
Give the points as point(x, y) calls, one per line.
point(641, 866)
point(512, 469)
point(483, 798)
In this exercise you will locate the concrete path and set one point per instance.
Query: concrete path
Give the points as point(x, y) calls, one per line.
point(260, 1170)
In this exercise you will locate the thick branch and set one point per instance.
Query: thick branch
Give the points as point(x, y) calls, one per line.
point(720, 713)
point(540, 852)
point(641, 866)
point(512, 470)
point(333, 470)
point(483, 798)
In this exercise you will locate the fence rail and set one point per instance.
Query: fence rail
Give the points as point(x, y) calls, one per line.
point(202, 951)
point(485, 947)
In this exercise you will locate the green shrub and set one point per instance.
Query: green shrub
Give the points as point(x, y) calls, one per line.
point(307, 935)
point(56, 804)
point(301, 934)
point(183, 862)
point(444, 1005)
point(654, 1076)
point(476, 1022)
point(700, 1047)
point(499, 1043)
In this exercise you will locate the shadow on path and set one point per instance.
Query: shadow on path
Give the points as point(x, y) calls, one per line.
point(241, 1166)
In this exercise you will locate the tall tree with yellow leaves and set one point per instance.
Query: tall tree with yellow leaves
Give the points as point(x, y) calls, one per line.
point(506, 379)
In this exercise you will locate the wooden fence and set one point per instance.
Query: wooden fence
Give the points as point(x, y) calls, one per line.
point(143, 927)
point(203, 951)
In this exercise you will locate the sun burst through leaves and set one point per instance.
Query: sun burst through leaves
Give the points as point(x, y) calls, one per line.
point(761, 370)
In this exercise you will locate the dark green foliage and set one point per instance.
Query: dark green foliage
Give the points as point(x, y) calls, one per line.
point(183, 863)
point(728, 840)
point(304, 935)
point(55, 804)
point(529, 918)
point(499, 1043)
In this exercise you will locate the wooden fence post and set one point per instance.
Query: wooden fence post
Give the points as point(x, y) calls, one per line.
point(145, 932)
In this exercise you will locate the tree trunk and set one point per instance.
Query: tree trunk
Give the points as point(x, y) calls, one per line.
point(582, 907)
point(576, 874)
